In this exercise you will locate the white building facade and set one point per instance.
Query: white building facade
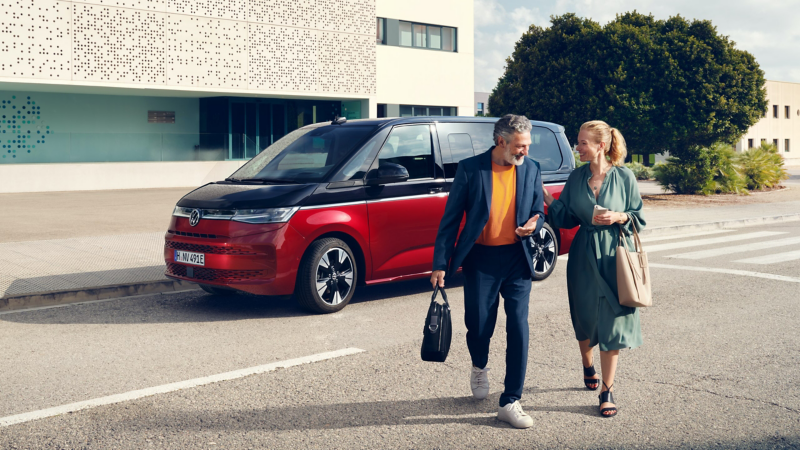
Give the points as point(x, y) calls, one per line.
point(114, 94)
point(780, 125)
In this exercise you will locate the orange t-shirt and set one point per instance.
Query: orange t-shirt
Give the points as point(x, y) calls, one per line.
point(499, 229)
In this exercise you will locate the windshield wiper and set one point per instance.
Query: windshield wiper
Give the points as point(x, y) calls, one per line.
point(260, 180)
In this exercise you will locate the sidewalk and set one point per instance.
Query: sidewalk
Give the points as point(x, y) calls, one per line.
point(75, 246)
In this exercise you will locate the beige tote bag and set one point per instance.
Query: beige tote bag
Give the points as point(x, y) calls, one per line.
point(633, 275)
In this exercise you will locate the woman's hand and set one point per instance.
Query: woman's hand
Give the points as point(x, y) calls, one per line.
point(610, 218)
point(548, 199)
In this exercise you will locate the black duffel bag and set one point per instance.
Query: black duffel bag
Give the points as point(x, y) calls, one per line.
point(438, 330)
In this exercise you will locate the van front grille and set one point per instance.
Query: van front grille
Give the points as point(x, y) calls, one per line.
point(215, 275)
point(212, 249)
point(197, 235)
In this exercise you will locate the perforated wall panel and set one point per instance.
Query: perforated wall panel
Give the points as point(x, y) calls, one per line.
point(346, 63)
point(118, 45)
point(206, 52)
point(35, 39)
point(324, 46)
point(282, 58)
point(224, 9)
point(147, 5)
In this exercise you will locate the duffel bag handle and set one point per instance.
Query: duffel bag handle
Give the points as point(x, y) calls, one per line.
point(444, 295)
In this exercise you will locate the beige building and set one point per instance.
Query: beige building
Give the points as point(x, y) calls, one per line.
point(111, 94)
point(781, 123)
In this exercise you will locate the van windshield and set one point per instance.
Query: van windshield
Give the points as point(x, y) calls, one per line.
point(306, 155)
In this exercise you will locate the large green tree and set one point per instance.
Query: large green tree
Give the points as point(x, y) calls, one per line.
point(666, 84)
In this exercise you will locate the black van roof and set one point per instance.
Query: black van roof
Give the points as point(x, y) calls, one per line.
point(389, 121)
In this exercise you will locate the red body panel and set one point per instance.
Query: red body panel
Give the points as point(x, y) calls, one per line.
point(567, 235)
point(402, 234)
point(395, 238)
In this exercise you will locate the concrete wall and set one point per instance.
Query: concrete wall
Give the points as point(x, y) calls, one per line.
point(101, 176)
point(413, 76)
point(782, 94)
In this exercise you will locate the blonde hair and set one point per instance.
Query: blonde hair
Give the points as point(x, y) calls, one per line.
point(615, 143)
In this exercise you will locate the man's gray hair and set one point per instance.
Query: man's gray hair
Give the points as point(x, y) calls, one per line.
point(510, 124)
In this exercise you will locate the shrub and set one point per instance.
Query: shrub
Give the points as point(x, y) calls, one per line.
point(762, 167)
point(578, 161)
point(703, 170)
point(641, 171)
point(726, 175)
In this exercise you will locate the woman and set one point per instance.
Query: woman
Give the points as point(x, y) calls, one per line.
point(597, 316)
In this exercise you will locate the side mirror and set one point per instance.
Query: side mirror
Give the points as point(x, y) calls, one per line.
point(387, 173)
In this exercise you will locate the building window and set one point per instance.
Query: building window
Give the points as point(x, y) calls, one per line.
point(775, 111)
point(786, 146)
point(415, 111)
point(775, 143)
point(433, 37)
point(382, 110)
point(480, 108)
point(405, 34)
point(788, 114)
point(749, 143)
point(380, 35)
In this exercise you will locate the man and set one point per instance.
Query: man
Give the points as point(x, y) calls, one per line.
point(501, 193)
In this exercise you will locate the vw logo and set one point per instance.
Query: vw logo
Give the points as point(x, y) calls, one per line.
point(194, 218)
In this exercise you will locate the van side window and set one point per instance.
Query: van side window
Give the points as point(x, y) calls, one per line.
point(410, 147)
point(544, 149)
point(462, 140)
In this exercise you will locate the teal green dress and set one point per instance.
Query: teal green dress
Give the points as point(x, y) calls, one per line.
point(591, 268)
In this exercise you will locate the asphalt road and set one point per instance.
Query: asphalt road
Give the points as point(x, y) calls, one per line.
point(718, 368)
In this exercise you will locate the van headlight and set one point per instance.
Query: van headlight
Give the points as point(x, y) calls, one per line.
point(270, 215)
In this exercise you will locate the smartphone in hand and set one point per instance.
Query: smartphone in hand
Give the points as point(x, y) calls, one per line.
point(598, 210)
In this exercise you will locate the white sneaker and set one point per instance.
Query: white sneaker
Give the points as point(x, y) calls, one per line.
point(513, 414)
point(479, 382)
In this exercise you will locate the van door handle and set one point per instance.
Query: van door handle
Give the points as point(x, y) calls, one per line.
point(435, 190)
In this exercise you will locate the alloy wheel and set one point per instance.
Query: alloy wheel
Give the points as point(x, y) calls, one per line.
point(334, 276)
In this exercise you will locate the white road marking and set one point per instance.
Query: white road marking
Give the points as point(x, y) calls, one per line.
point(744, 273)
point(711, 241)
point(133, 395)
point(684, 235)
point(772, 259)
point(738, 249)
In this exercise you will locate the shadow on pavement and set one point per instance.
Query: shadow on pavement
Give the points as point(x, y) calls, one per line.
point(199, 306)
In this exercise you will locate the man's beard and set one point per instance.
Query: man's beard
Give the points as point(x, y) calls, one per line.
point(515, 161)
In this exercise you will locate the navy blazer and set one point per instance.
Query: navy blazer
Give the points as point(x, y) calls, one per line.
point(471, 193)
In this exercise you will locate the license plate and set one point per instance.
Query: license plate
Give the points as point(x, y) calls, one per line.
point(197, 259)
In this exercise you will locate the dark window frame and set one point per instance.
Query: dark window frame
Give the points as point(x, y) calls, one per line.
point(427, 46)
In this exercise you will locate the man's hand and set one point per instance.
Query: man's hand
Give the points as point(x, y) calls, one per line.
point(437, 278)
point(528, 228)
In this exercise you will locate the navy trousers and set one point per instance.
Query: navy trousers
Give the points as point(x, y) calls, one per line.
point(489, 272)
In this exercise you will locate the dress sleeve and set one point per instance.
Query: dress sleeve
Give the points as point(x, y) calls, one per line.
point(558, 213)
point(634, 206)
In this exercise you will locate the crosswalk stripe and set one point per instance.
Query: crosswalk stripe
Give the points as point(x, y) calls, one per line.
point(737, 249)
point(744, 273)
point(772, 259)
point(711, 241)
point(683, 236)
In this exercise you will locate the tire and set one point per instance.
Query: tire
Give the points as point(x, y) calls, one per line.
point(544, 249)
point(327, 277)
point(216, 291)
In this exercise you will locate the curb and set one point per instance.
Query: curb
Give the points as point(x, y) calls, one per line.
point(53, 298)
point(703, 226)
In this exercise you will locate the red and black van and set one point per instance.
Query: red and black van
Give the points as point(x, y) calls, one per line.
point(339, 204)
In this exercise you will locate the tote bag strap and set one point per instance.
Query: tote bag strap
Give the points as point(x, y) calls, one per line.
point(637, 242)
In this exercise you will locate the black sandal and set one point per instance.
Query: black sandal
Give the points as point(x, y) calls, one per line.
point(607, 397)
point(590, 372)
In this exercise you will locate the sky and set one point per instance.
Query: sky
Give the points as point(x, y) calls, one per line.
point(770, 30)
